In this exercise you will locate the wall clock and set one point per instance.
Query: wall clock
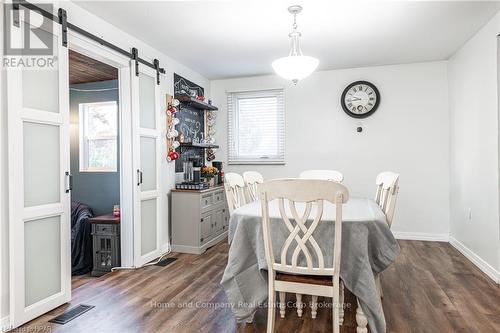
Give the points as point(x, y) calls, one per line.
point(360, 99)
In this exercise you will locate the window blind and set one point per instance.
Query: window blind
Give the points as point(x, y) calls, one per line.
point(256, 127)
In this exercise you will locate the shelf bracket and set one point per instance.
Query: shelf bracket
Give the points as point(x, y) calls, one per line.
point(64, 26)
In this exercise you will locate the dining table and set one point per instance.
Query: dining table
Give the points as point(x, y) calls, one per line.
point(368, 248)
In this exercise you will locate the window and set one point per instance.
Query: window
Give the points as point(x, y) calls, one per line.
point(98, 136)
point(256, 132)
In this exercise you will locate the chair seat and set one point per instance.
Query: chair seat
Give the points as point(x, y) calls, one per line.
point(322, 280)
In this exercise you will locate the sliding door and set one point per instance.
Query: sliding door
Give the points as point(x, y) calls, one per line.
point(39, 207)
point(147, 154)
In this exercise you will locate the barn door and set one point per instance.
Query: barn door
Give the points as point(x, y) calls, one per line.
point(147, 136)
point(39, 179)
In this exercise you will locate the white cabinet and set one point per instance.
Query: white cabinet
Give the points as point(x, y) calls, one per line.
point(199, 219)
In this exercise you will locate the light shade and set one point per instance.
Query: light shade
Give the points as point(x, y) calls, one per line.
point(295, 68)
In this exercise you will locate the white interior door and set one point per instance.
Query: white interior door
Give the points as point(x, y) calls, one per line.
point(147, 154)
point(39, 207)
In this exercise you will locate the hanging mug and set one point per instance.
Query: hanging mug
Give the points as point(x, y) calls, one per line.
point(172, 155)
point(175, 102)
point(175, 121)
point(172, 134)
point(175, 144)
point(172, 109)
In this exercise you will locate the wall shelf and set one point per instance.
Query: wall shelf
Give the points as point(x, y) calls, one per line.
point(198, 145)
point(195, 103)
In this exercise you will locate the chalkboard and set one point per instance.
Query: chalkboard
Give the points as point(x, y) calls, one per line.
point(191, 122)
point(184, 86)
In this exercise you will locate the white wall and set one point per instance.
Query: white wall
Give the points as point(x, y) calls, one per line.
point(409, 134)
point(99, 27)
point(473, 89)
point(4, 231)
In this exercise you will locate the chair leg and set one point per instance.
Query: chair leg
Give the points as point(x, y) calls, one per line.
point(341, 312)
point(271, 306)
point(282, 304)
point(299, 305)
point(335, 306)
point(314, 306)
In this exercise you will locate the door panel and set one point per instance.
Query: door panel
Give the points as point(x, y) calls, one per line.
point(39, 206)
point(41, 83)
point(148, 163)
point(42, 258)
point(148, 226)
point(147, 101)
point(41, 157)
point(147, 197)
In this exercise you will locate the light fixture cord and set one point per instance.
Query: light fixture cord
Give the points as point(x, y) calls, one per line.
point(294, 35)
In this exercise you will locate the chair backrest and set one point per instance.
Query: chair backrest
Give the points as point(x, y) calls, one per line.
point(387, 193)
point(235, 190)
point(300, 240)
point(332, 175)
point(252, 179)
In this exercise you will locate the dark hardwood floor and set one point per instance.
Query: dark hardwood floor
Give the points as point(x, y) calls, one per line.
point(430, 288)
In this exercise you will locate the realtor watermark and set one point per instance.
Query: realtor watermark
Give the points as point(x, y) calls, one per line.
point(29, 42)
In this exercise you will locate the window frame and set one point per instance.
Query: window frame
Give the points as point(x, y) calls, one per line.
point(233, 127)
point(83, 148)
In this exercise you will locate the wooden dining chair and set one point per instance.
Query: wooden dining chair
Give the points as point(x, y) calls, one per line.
point(234, 187)
point(314, 277)
point(387, 192)
point(252, 179)
point(332, 175)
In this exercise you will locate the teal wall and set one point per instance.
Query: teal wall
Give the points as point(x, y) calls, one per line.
point(99, 190)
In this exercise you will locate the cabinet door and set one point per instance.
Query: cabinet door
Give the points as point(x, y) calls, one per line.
point(218, 220)
point(225, 217)
point(206, 227)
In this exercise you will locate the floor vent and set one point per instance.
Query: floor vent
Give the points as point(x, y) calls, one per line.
point(166, 262)
point(71, 314)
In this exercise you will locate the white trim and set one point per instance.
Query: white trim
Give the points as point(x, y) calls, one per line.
point(94, 50)
point(199, 250)
point(5, 324)
point(486, 268)
point(421, 236)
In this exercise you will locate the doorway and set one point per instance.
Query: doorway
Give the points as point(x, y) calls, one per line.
point(95, 165)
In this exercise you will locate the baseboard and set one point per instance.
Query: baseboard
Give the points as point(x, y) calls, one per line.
point(421, 236)
point(5, 324)
point(486, 268)
point(201, 249)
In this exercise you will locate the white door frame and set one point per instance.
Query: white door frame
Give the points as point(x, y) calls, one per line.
point(138, 132)
point(92, 49)
point(18, 214)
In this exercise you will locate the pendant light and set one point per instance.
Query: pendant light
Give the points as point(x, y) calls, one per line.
point(296, 66)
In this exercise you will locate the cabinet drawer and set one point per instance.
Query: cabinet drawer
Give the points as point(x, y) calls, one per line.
point(207, 201)
point(104, 229)
point(218, 197)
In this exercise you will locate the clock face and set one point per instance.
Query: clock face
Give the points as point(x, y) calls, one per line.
point(360, 99)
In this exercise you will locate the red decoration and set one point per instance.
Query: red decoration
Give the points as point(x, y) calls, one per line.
point(173, 155)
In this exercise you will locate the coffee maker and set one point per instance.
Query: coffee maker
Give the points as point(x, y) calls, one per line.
point(218, 165)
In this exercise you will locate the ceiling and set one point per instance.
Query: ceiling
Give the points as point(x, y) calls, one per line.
point(83, 69)
point(221, 39)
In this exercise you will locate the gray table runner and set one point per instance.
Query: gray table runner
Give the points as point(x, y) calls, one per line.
point(368, 247)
